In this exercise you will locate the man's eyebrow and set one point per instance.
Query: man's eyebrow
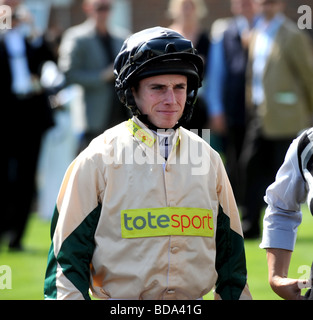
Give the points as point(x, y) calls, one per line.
point(156, 84)
point(165, 85)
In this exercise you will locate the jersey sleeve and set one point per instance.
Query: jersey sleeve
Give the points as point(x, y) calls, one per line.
point(230, 253)
point(284, 197)
point(72, 231)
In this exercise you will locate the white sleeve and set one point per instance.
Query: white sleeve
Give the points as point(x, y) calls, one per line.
point(284, 197)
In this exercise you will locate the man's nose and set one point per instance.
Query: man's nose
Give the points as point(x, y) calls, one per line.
point(170, 97)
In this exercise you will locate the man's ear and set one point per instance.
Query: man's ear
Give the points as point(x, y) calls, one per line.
point(132, 94)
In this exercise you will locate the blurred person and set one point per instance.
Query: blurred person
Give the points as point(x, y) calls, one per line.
point(225, 90)
point(25, 117)
point(187, 16)
point(60, 143)
point(86, 56)
point(120, 228)
point(293, 186)
point(280, 103)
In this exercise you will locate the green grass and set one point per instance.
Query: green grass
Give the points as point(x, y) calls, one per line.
point(28, 267)
point(257, 264)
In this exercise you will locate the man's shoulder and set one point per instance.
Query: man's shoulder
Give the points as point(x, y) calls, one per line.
point(102, 146)
point(290, 28)
point(191, 133)
point(193, 136)
point(111, 134)
point(80, 31)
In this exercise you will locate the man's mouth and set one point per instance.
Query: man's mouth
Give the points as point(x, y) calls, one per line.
point(167, 112)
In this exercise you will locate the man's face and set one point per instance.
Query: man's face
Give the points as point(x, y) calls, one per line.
point(270, 8)
point(243, 7)
point(162, 98)
point(98, 9)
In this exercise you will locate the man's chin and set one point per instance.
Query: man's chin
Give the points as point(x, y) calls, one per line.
point(166, 124)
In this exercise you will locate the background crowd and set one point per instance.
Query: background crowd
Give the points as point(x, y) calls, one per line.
point(59, 94)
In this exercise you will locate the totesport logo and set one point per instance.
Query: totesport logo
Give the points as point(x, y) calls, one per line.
point(156, 222)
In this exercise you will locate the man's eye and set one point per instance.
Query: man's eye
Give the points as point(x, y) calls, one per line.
point(157, 88)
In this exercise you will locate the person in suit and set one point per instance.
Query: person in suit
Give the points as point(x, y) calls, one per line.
point(92, 68)
point(280, 103)
point(225, 91)
point(25, 115)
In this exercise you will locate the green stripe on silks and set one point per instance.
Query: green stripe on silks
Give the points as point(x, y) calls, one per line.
point(50, 291)
point(75, 255)
point(54, 221)
point(230, 260)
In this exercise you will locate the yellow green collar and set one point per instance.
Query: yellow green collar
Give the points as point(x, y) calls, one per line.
point(140, 133)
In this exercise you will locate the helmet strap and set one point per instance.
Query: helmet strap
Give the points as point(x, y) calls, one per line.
point(131, 103)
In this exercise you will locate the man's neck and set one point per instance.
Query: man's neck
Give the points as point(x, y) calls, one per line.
point(101, 28)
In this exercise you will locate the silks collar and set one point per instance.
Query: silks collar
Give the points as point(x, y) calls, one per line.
point(140, 133)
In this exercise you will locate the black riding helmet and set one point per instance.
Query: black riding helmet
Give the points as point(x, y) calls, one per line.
point(152, 52)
